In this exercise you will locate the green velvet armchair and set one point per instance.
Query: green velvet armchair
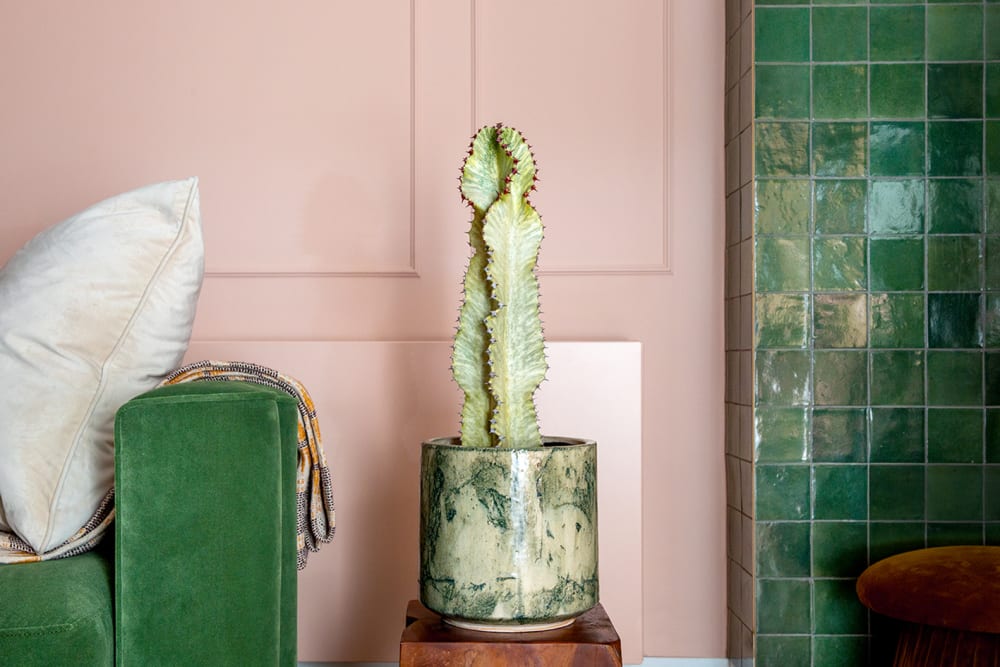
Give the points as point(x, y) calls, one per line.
point(202, 566)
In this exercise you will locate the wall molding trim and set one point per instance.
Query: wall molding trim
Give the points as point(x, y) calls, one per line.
point(409, 271)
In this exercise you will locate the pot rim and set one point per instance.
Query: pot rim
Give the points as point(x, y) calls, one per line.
point(548, 441)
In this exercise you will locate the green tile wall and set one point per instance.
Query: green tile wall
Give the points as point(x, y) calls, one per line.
point(876, 306)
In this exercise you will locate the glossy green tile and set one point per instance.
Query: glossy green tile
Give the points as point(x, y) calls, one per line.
point(839, 34)
point(897, 149)
point(840, 91)
point(782, 206)
point(840, 263)
point(783, 605)
point(839, 206)
point(954, 534)
point(897, 33)
point(993, 206)
point(897, 378)
point(783, 650)
point(954, 378)
point(993, 148)
point(954, 32)
point(782, 549)
point(992, 370)
point(841, 492)
point(897, 435)
point(838, 610)
point(954, 320)
point(955, 90)
point(840, 320)
point(897, 264)
point(781, 435)
point(954, 435)
point(840, 548)
point(992, 90)
point(955, 206)
point(781, 149)
point(839, 435)
point(956, 148)
point(991, 489)
point(992, 533)
point(953, 262)
point(993, 435)
point(783, 378)
point(782, 320)
point(992, 33)
point(891, 538)
point(781, 91)
point(897, 91)
point(992, 321)
point(896, 207)
point(782, 493)
point(782, 264)
point(954, 493)
point(840, 378)
point(781, 34)
point(992, 262)
point(897, 492)
point(897, 320)
point(839, 149)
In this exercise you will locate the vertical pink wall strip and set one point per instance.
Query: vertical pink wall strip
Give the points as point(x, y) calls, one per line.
point(327, 136)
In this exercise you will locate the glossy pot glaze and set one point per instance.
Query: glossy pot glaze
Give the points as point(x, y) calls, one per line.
point(508, 537)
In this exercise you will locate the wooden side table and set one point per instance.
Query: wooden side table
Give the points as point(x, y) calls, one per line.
point(427, 641)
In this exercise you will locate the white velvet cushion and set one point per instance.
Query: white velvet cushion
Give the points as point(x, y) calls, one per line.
point(93, 311)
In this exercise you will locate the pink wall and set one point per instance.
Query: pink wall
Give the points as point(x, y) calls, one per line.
point(328, 134)
point(377, 400)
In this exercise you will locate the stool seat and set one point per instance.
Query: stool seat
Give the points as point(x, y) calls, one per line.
point(946, 587)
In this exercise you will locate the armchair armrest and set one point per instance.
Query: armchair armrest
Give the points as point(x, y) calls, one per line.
point(205, 528)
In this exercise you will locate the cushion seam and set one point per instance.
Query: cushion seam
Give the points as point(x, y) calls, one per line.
point(38, 630)
point(102, 384)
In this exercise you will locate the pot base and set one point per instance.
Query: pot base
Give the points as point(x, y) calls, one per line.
point(498, 627)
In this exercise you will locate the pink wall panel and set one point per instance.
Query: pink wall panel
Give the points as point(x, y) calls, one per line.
point(328, 135)
point(376, 403)
point(603, 183)
point(298, 121)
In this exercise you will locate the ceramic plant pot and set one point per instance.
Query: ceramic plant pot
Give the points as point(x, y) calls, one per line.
point(508, 537)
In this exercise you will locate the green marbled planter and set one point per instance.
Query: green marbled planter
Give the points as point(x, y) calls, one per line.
point(508, 537)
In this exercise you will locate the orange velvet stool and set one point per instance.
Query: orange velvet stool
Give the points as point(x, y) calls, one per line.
point(949, 600)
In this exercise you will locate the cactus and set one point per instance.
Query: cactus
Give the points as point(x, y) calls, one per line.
point(498, 358)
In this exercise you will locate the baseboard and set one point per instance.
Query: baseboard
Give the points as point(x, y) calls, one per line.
point(647, 662)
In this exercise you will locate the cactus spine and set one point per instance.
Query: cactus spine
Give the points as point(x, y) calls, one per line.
point(499, 353)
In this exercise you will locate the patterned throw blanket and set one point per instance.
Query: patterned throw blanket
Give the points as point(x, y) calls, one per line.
point(316, 521)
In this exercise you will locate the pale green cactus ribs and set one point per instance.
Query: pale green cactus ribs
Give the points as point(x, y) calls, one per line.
point(498, 358)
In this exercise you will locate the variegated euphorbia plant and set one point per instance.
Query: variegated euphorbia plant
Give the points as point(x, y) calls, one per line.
point(499, 356)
